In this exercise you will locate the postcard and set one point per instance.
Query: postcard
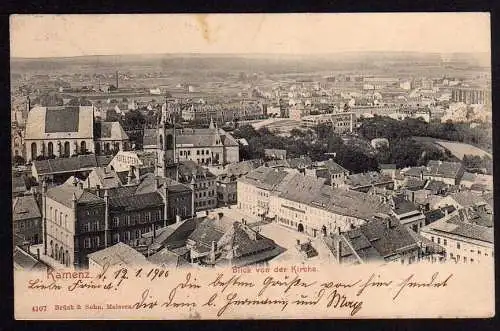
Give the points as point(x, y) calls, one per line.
point(252, 166)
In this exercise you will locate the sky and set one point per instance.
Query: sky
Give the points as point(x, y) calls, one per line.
point(76, 35)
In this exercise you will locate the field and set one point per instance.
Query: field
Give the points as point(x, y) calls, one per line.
point(456, 148)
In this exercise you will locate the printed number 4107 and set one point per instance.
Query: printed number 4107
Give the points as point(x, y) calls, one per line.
point(39, 308)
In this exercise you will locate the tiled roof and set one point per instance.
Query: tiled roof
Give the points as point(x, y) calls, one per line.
point(66, 122)
point(18, 184)
point(434, 215)
point(367, 179)
point(264, 178)
point(189, 168)
point(118, 254)
point(299, 162)
point(136, 201)
point(66, 164)
point(205, 233)
point(148, 184)
point(108, 178)
point(374, 240)
point(413, 171)
point(402, 206)
point(467, 199)
point(167, 258)
point(313, 191)
point(64, 195)
point(24, 261)
point(62, 119)
point(334, 168)
point(456, 224)
point(25, 207)
point(435, 185)
point(242, 168)
point(244, 245)
point(443, 169)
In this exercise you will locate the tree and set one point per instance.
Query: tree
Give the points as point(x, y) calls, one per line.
point(18, 160)
point(134, 120)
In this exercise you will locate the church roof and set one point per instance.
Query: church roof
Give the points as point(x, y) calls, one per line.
point(62, 122)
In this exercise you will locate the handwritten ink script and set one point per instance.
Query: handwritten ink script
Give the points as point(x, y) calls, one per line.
point(224, 293)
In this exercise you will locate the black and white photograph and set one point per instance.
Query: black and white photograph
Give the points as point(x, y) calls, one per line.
point(239, 142)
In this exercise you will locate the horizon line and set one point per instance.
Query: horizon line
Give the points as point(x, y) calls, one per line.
point(246, 54)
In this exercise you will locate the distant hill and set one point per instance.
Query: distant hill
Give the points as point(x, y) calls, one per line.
point(271, 63)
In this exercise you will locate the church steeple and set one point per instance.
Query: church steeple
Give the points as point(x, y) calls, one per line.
point(166, 149)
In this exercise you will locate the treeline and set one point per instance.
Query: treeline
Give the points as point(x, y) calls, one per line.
point(386, 127)
point(319, 144)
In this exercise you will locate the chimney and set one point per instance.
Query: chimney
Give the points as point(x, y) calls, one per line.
point(38, 254)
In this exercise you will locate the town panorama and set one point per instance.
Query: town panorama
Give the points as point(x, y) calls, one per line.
point(226, 160)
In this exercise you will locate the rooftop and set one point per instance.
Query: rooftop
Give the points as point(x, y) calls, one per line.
point(25, 207)
point(118, 254)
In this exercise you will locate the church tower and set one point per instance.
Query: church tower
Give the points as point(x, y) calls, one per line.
point(167, 161)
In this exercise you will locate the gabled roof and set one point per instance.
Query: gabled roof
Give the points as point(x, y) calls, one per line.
point(402, 206)
point(64, 194)
point(334, 168)
point(300, 162)
point(434, 215)
point(118, 254)
point(24, 261)
point(69, 164)
point(136, 201)
point(189, 168)
point(25, 207)
point(18, 184)
point(109, 131)
point(468, 199)
point(367, 179)
point(443, 169)
point(264, 178)
point(375, 240)
point(457, 224)
point(243, 167)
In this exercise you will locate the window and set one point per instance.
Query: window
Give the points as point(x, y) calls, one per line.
point(439, 240)
point(129, 221)
point(432, 239)
point(479, 252)
point(465, 259)
point(116, 237)
point(86, 243)
point(116, 221)
point(95, 242)
point(197, 152)
point(458, 245)
point(444, 242)
point(148, 216)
